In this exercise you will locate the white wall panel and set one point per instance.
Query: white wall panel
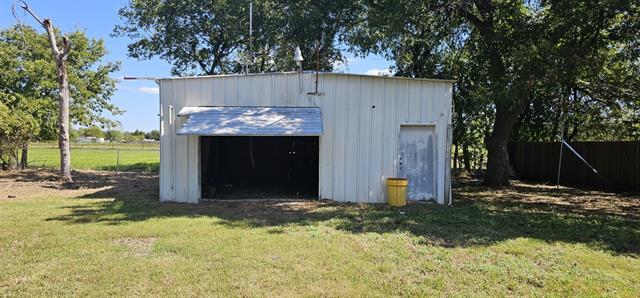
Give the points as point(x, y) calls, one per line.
point(375, 142)
point(167, 134)
point(327, 138)
point(389, 146)
point(414, 103)
point(364, 134)
point(339, 138)
point(181, 145)
point(353, 131)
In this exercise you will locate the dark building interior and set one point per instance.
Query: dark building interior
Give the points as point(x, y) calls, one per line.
point(259, 167)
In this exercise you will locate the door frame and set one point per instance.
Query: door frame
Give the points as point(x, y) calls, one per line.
point(435, 152)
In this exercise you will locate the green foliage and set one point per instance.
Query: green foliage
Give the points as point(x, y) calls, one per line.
point(212, 37)
point(134, 137)
point(17, 127)
point(114, 136)
point(153, 135)
point(313, 25)
point(593, 75)
point(27, 68)
point(93, 131)
point(138, 132)
point(74, 134)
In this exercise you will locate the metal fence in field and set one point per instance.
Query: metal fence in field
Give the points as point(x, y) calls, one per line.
point(617, 163)
point(109, 156)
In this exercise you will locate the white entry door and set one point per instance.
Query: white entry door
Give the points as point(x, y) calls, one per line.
point(416, 160)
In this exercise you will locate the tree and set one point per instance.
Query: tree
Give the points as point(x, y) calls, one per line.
point(60, 57)
point(26, 68)
point(318, 27)
point(521, 52)
point(93, 131)
point(153, 135)
point(133, 137)
point(592, 78)
point(17, 128)
point(115, 136)
point(74, 134)
point(212, 37)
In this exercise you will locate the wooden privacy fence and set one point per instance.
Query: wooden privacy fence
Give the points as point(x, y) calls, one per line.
point(617, 162)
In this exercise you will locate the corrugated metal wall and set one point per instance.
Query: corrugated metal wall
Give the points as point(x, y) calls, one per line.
point(362, 116)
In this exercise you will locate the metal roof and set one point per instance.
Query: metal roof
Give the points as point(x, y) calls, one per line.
point(321, 73)
point(251, 121)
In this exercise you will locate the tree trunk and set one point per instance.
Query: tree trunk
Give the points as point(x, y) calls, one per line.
point(63, 122)
point(498, 173)
point(455, 156)
point(24, 157)
point(63, 84)
point(466, 157)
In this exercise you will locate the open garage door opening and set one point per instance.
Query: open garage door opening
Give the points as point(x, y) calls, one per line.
point(259, 167)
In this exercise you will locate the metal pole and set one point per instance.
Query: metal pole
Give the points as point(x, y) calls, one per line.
point(250, 37)
point(559, 164)
point(317, 64)
point(118, 162)
point(561, 120)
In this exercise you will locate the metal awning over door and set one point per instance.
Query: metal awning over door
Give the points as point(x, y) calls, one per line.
point(251, 121)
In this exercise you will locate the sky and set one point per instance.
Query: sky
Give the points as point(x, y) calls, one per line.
point(139, 99)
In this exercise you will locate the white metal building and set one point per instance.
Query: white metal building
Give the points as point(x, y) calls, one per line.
point(236, 136)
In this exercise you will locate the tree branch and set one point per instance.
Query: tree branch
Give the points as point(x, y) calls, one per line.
point(46, 24)
point(26, 7)
point(52, 37)
point(66, 43)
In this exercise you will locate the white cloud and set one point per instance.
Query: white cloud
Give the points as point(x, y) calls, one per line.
point(379, 72)
point(149, 90)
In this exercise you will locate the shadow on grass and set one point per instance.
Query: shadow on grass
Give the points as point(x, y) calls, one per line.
point(151, 167)
point(480, 216)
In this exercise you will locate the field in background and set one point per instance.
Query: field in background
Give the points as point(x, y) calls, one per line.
point(132, 157)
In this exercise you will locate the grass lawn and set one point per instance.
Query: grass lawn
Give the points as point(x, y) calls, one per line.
point(133, 157)
point(111, 237)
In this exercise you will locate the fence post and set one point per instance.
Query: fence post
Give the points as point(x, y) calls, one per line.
point(118, 162)
point(559, 164)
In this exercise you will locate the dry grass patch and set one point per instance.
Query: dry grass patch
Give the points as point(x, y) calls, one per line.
point(140, 247)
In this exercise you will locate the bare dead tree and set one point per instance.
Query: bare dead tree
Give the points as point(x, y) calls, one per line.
point(63, 84)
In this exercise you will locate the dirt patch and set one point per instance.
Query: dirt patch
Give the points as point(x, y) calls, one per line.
point(140, 247)
point(134, 186)
point(44, 183)
point(540, 195)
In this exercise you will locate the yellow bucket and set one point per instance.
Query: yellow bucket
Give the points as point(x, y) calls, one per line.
point(397, 191)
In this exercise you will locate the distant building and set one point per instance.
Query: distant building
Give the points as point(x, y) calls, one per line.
point(86, 140)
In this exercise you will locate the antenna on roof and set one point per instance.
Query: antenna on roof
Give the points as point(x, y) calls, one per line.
point(248, 70)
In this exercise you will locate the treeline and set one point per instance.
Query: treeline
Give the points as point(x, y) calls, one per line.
point(113, 135)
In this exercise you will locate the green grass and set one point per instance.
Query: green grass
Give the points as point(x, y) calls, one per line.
point(133, 157)
point(118, 240)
